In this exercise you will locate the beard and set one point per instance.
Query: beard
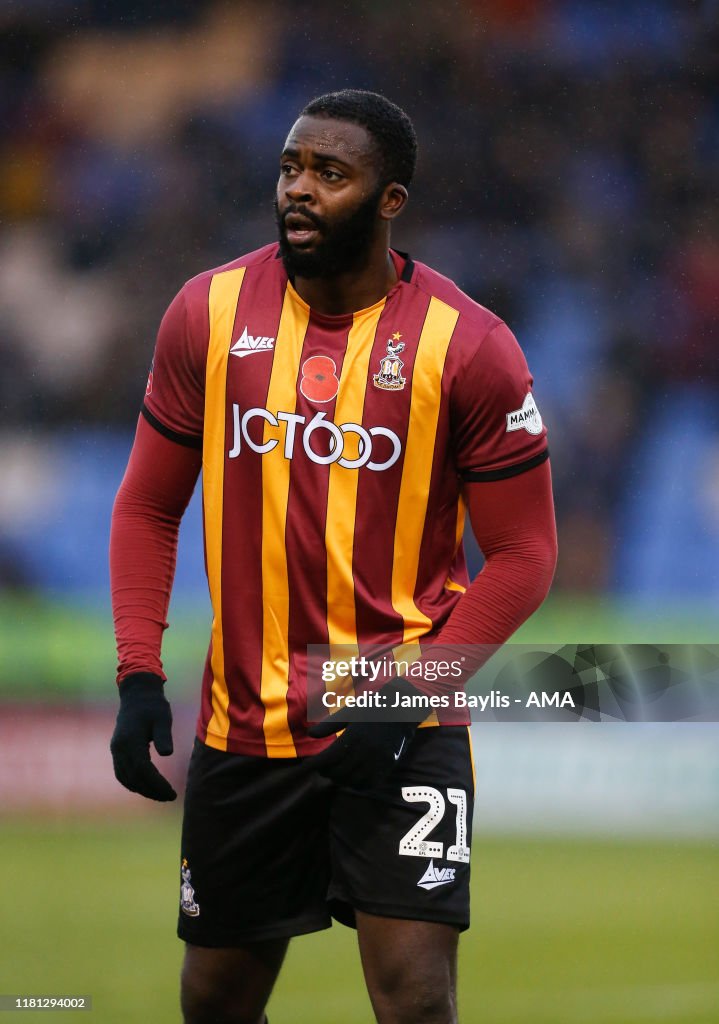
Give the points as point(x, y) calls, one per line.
point(343, 245)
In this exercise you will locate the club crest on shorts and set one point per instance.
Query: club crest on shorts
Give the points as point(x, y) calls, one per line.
point(390, 376)
point(187, 893)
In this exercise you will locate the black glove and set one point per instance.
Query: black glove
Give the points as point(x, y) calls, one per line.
point(144, 716)
point(367, 751)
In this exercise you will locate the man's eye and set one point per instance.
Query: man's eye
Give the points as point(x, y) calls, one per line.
point(286, 169)
point(331, 175)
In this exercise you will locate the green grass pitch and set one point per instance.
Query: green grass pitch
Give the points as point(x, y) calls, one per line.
point(564, 931)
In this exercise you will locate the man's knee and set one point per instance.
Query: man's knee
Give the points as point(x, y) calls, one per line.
point(430, 1001)
point(205, 1000)
point(227, 986)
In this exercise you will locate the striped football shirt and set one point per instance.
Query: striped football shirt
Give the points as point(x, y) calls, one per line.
point(334, 453)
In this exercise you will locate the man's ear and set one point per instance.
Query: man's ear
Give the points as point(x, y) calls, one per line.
point(394, 199)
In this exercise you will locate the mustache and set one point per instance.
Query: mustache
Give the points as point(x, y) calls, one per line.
point(307, 214)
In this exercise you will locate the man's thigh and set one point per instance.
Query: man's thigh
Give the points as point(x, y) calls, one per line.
point(402, 850)
point(255, 850)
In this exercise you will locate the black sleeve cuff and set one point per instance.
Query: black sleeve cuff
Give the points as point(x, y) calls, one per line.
point(186, 440)
point(485, 476)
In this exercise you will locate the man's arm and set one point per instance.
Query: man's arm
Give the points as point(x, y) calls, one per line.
point(152, 498)
point(513, 522)
point(157, 486)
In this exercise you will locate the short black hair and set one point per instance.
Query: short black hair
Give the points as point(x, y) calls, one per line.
point(389, 126)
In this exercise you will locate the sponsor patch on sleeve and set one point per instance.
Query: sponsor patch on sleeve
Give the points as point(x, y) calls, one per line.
point(148, 388)
point(526, 418)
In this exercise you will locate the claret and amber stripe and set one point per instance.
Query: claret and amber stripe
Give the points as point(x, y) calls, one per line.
point(458, 535)
point(426, 396)
point(343, 483)
point(282, 394)
point(224, 296)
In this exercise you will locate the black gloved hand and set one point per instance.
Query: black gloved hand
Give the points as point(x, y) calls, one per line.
point(144, 716)
point(367, 751)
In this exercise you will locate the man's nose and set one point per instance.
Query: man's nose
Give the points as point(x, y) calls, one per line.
point(300, 189)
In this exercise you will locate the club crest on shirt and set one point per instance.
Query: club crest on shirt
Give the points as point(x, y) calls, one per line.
point(148, 388)
point(187, 893)
point(527, 417)
point(390, 376)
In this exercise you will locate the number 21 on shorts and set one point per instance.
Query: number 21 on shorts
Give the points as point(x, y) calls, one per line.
point(415, 843)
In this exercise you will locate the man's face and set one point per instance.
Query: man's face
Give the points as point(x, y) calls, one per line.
point(328, 197)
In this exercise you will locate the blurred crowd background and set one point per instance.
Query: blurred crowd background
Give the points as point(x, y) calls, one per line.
point(567, 179)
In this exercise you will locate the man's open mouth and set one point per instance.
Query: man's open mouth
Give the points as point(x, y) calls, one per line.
point(299, 230)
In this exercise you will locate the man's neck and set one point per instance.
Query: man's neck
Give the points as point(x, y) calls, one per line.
point(347, 293)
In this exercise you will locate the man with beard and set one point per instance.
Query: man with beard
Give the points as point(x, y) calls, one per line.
point(346, 405)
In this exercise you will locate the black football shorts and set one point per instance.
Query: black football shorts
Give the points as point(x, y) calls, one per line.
point(271, 849)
